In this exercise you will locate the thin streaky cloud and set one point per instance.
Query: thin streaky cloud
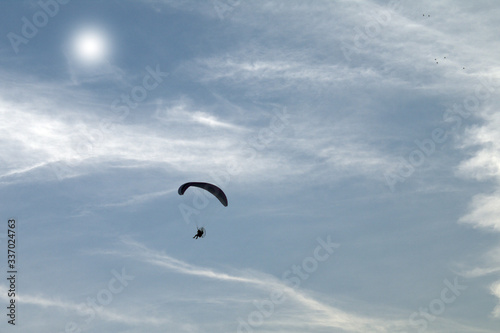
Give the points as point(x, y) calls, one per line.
point(104, 313)
point(322, 315)
point(138, 199)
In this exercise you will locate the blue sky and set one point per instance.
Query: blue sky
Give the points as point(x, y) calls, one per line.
point(357, 143)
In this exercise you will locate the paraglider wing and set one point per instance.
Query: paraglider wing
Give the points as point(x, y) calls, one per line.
point(216, 191)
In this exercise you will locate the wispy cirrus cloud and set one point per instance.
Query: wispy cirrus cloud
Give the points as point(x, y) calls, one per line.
point(301, 307)
point(137, 199)
point(40, 133)
point(183, 110)
point(45, 139)
point(104, 313)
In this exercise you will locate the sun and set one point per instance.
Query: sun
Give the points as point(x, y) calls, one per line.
point(90, 45)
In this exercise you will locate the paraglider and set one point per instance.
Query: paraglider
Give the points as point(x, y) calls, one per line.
point(200, 233)
point(216, 191)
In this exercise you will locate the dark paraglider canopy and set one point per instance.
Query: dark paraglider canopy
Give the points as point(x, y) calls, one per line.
point(216, 191)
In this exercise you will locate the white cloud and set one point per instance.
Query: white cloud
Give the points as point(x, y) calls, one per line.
point(495, 291)
point(486, 264)
point(484, 165)
point(184, 112)
point(38, 133)
point(484, 212)
point(478, 272)
point(43, 133)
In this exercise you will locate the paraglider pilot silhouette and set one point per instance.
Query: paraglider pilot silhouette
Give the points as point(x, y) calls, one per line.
point(216, 191)
point(200, 233)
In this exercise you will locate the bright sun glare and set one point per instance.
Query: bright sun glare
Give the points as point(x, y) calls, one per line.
point(91, 46)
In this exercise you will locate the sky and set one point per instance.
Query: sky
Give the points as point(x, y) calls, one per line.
point(357, 142)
